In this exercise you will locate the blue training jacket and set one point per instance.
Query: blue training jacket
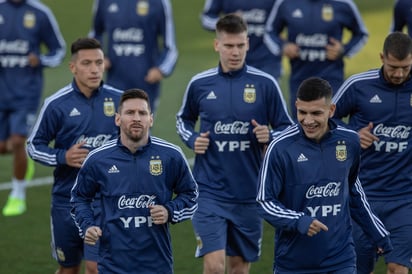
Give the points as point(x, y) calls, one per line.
point(301, 180)
point(66, 118)
point(25, 28)
point(402, 16)
point(225, 104)
point(255, 13)
point(310, 24)
point(133, 29)
point(128, 183)
point(386, 167)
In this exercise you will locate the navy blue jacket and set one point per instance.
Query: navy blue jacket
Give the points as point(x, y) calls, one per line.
point(310, 24)
point(302, 180)
point(128, 183)
point(386, 169)
point(26, 28)
point(67, 118)
point(225, 104)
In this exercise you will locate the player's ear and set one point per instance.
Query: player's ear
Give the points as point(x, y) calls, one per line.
point(117, 119)
point(332, 109)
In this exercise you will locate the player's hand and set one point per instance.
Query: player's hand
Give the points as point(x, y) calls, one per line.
point(154, 75)
point(366, 136)
point(33, 59)
point(315, 227)
point(202, 143)
point(334, 50)
point(76, 154)
point(93, 234)
point(261, 132)
point(291, 50)
point(159, 214)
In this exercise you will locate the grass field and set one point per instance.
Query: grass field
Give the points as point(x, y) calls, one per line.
point(24, 241)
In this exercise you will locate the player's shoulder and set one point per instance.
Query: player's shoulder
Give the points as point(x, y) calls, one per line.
point(286, 138)
point(165, 147)
point(346, 133)
point(260, 75)
point(39, 6)
point(212, 72)
point(108, 89)
point(102, 152)
point(359, 79)
point(60, 96)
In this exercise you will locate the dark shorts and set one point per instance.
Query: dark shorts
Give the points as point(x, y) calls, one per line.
point(68, 248)
point(397, 218)
point(346, 270)
point(19, 122)
point(236, 228)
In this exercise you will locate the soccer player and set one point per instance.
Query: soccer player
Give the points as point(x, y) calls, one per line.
point(379, 105)
point(255, 13)
point(402, 16)
point(145, 184)
point(314, 43)
point(30, 40)
point(73, 121)
point(309, 189)
point(239, 108)
point(141, 46)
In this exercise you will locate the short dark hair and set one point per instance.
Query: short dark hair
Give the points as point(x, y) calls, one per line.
point(314, 88)
point(132, 94)
point(85, 43)
point(397, 44)
point(231, 23)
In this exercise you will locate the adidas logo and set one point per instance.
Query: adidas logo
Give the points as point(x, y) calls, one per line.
point(113, 169)
point(297, 13)
point(375, 99)
point(211, 95)
point(302, 158)
point(74, 112)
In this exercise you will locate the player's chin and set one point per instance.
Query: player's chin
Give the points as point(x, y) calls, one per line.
point(235, 65)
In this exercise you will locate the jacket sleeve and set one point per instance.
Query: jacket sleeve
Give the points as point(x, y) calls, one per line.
point(98, 27)
point(44, 132)
point(279, 116)
point(184, 204)
point(273, 29)
point(362, 213)
point(187, 117)
point(344, 99)
point(211, 13)
point(270, 184)
point(399, 17)
point(168, 51)
point(82, 195)
point(53, 40)
point(359, 33)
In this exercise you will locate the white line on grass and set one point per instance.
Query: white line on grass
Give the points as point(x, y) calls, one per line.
point(32, 183)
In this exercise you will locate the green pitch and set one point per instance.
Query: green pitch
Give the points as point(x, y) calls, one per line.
point(24, 243)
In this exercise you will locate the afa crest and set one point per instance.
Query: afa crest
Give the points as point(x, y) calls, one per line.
point(60, 254)
point(249, 94)
point(156, 167)
point(199, 242)
point(142, 7)
point(327, 13)
point(108, 107)
point(29, 20)
point(341, 153)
